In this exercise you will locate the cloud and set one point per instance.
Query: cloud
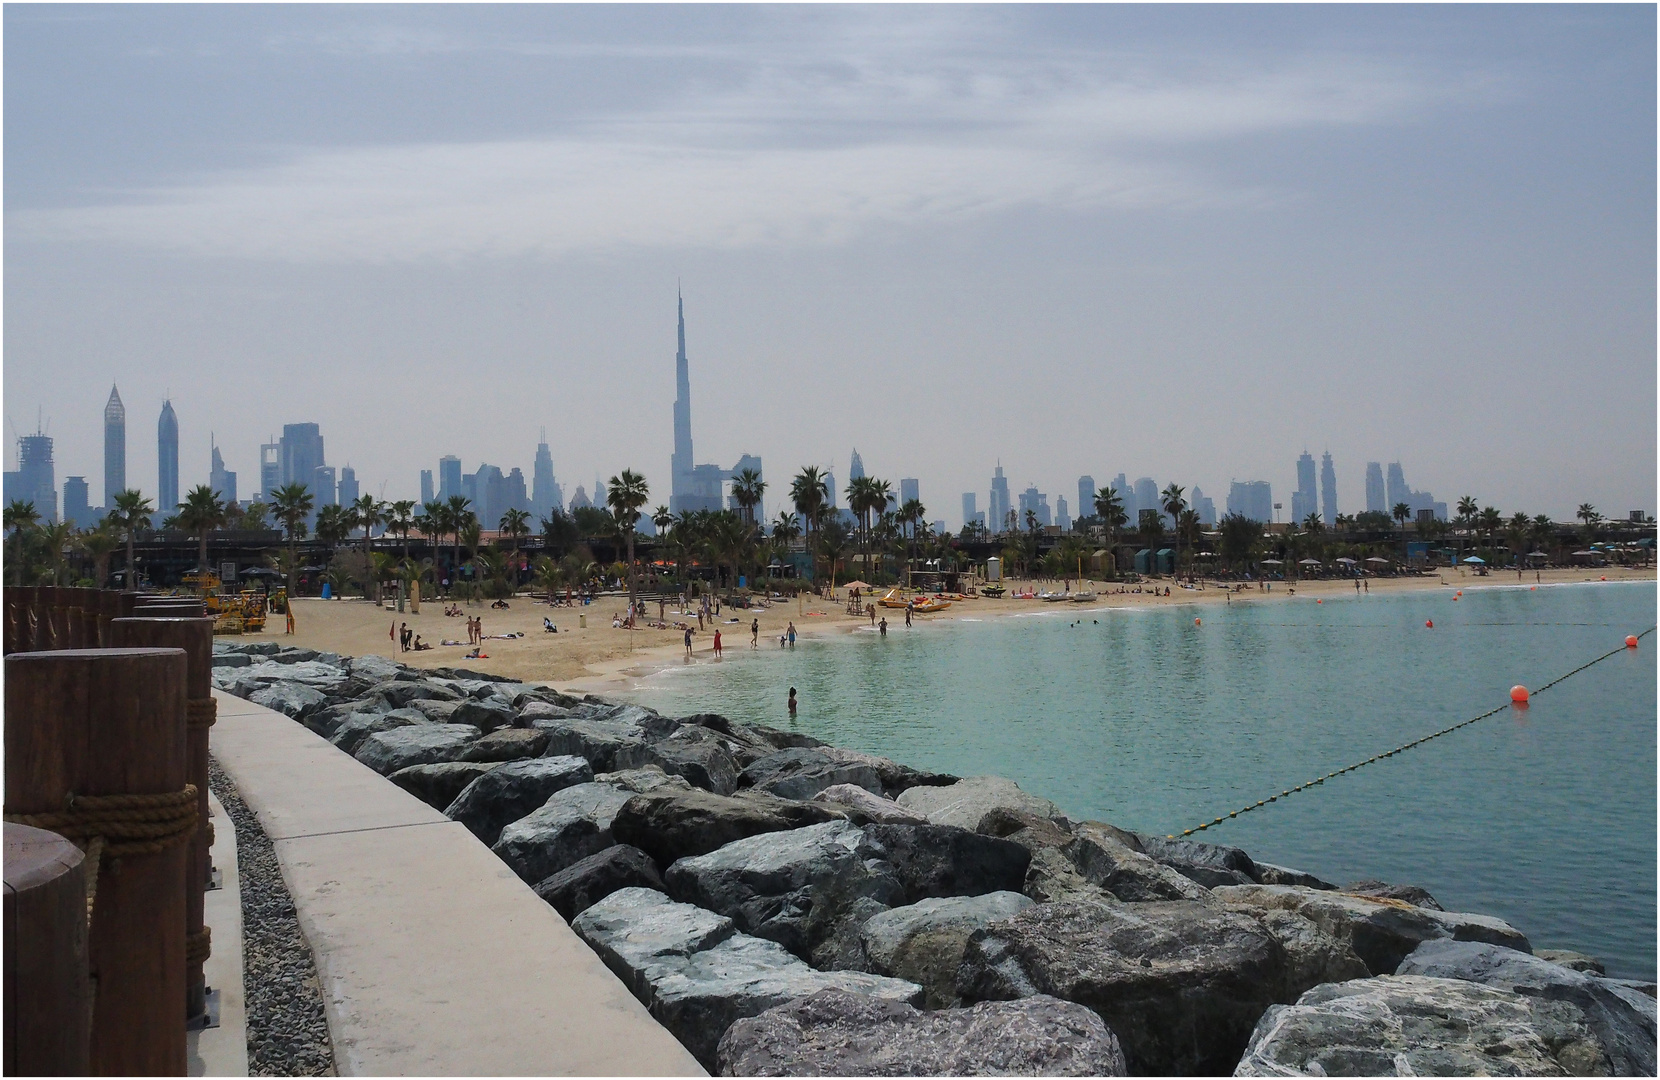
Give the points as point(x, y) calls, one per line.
point(802, 145)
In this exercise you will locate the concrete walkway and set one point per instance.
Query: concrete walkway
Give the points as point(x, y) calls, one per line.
point(434, 957)
point(223, 1050)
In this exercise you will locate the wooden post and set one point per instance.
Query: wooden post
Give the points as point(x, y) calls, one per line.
point(195, 637)
point(112, 722)
point(16, 618)
point(47, 999)
point(49, 627)
point(30, 628)
point(75, 606)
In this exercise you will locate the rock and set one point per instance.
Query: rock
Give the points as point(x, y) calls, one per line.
point(651, 724)
point(438, 784)
point(418, 744)
point(292, 699)
point(1622, 1019)
point(1181, 984)
point(290, 654)
point(696, 753)
point(924, 942)
point(1208, 864)
point(359, 726)
point(315, 675)
point(587, 881)
point(231, 660)
point(1312, 956)
point(942, 860)
point(486, 715)
point(600, 742)
point(400, 693)
point(967, 801)
point(1574, 961)
point(543, 695)
point(863, 808)
point(779, 739)
point(746, 745)
point(512, 791)
point(1412, 894)
point(895, 778)
point(1380, 930)
point(507, 744)
point(834, 1033)
point(802, 773)
point(375, 668)
point(1051, 875)
point(799, 888)
point(439, 712)
point(1269, 874)
point(568, 827)
point(640, 781)
point(696, 974)
point(1416, 1026)
point(669, 825)
point(1103, 859)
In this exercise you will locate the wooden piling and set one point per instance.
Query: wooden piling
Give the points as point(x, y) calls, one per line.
point(47, 1028)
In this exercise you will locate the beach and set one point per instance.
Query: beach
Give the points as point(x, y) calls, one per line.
point(598, 655)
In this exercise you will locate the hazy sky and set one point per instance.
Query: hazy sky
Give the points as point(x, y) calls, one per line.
point(1184, 242)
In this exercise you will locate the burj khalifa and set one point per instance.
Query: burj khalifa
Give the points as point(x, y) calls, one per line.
point(693, 487)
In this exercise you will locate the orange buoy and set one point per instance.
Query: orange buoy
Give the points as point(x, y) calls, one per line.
point(1604, 578)
point(1319, 601)
point(1196, 623)
point(1518, 694)
point(1455, 599)
point(1460, 592)
point(1430, 623)
point(1631, 641)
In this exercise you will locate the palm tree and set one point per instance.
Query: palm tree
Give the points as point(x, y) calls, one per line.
point(1468, 508)
point(201, 513)
point(661, 518)
point(1109, 507)
point(132, 512)
point(546, 576)
point(1491, 522)
point(625, 494)
point(809, 494)
point(22, 519)
point(516, 524)
point(400, 518)
point(455, 516)
point(833, 544)
point(365, 514)
point(333, 525)
point(1174, 504)
point(1401, 513)
point(747, 489)
point(99, 543)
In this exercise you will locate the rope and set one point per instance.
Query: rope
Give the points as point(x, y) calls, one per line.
point(198, 946)
point(201, 712)
point(1399, 749)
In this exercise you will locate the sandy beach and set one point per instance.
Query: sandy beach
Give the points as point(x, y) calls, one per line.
point(598, 654)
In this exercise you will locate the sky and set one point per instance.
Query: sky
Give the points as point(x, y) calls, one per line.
point(1181, 242)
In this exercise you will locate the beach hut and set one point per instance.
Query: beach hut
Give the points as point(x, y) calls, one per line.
point(1166, 561)
point(1101, 563)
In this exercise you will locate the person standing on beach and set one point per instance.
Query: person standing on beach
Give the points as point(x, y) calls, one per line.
point(755, 633)
point(717, 643)
point(688, 643)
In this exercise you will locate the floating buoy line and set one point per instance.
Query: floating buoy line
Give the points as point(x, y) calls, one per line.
point(1519, 695)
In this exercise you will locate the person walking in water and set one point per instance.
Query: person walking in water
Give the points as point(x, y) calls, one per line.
point(717, 643)
point(790, 633)
point(908, 609)
point(688, 643)
point(755, 633)
point(883, 626)
point(792, 703)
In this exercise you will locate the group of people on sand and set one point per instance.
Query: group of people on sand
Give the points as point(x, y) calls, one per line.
point(408, 640)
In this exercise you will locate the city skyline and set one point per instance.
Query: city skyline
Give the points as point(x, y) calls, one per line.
point(1078, 240)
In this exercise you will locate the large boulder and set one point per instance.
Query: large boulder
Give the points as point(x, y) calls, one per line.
point(512, 791)
point(697, 975)
point(1269, 874)
point(376, 669)
point(1181, 984)
point(803, 772)
point(1208, 864)
point(292, 699)
point(439, 712)
point(311, 673)
point(1416, 895)
point(231, 660)
point(569, 826)
point(1416, 1026)
point(438, 784)
point(486, 714)
point(1312, 956)
point(327, 720)
point(895, 778)
point(967, 801)
point(587, 881)
point(1623, 1019)
point(696, 753)
point(863, 808)
point(1103, 858)
point(640, 781)
point(943, 860)
point(399, 693)
point(669, 825)
point(1577, 961)
point(508, 744)
point(924, 942)
point(360, 725)
point(419, 744)
point(835, 1033)
point(807, 889)
point(1381, 931)
point(1051, 875)
point(605, 744)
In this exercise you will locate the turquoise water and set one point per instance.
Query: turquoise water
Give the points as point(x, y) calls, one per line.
point(1545, 817)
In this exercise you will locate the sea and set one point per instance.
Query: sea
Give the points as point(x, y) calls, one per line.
point(1160, 718)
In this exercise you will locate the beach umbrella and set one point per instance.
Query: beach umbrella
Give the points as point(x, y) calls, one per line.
point(1346, 561)
point(1378, 559)
point(1309, 562)
point(259, 571)
point(1476, 559)
point(856, 585)
point(1271, 562)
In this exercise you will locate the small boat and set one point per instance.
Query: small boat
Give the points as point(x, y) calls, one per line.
point(894, 600)
point(992, 590)
point(1082, 597)
point(1053, 597)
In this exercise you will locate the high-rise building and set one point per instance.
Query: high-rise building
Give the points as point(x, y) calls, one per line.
point(1204, 506)
point(1147, 498)
point(270, 468)
point(910, 490)
point(115, 448)
point(1126, 495)
point(830, 490)
point(997, 507)
point(325, 490)
point(545, 494)
point(514, 495)
point(167, 460)
point(1062, 518)
point(75, 508)
point(856, 467)
point(220, 479)
point(347, 488)
point(449, 477)
point(1038, 503)
point(300, 453)
point(1305, 500)
point(1253, 499)
point(1416, 502)
point(426, 486)
point(691, 486)
point(1328, 490)
point(1376, 501)
point(1086, 496)
point(969, 508)
point(580, 499)
point(753, 463)
point(36, 479)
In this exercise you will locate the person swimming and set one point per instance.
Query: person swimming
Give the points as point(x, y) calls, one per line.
point(792, 701)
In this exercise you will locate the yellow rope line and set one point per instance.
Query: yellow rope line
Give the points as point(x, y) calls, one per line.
point(1403, 747)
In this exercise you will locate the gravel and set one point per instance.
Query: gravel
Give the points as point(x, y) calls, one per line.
point(287, 1032)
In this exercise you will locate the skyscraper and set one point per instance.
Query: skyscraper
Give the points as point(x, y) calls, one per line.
point(1147, 498)
point(300, 453)
point(910, 490)
point(1305, 500)
point(1396, 490)
point(1376, 502)
point(426, 486)
point(1038, 503)
point(1328, 490)
point(36, 477)
point(1126, 495)
point(167, 460)
point(115, 448)
point(75, 508)
point(1204, 506)
point(221, 480)
point(997, 507)
point(270, 468)
point(348, 490)
point(1253, 499)
point(449, 477)
point(545, 496)
point(969, 508)
point(1062, 518)
point(691, 486)
point(1086, 496)
point(856, 467)
point(324, 489)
